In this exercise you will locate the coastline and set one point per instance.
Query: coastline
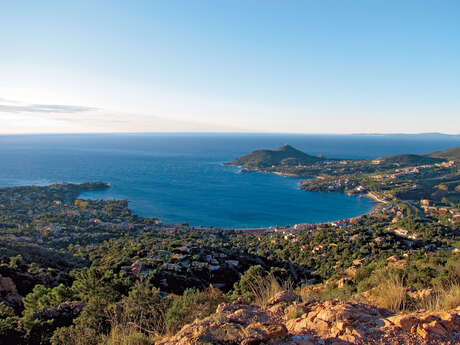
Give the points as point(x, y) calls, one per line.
point(369, 195)
point(273, 227)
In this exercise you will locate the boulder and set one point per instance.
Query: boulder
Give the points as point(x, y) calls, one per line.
point(266, 332)
point(7, 286)
point(404, 322)
point(283, 297)
point(65, 311)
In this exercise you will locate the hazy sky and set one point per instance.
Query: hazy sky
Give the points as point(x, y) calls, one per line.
point(342, 66)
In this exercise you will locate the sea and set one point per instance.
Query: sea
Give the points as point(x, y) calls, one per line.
point(180, 177)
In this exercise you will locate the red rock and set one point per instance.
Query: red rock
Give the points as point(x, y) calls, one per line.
point(435, 327)
point(404, 321)
point(283, 297)
point(451, 321)
point(422, 332)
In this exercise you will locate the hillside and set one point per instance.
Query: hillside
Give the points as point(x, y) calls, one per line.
point(451, 154)
point(411, 159)
point(285, 155)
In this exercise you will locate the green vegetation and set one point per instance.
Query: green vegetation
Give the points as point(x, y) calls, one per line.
point(285, 155)
point(407, 159)
point(451, 154)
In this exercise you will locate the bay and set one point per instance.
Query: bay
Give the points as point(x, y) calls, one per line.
point(179, 177)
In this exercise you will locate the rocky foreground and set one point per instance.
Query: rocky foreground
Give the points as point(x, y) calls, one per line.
point(286, 321)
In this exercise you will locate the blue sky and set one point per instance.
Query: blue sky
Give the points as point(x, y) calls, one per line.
point(257, 66)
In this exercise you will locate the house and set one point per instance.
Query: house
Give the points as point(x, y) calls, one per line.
point(184, 249)
point(232, 263)
point(171, 267)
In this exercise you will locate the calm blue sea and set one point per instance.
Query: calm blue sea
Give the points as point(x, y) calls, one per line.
point(180, 177)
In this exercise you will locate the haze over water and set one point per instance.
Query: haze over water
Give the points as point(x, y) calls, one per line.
point(180, 177)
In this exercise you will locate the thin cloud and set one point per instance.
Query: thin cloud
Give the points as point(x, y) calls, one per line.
point(24, 117)
point(4, 100)
point(16, 107)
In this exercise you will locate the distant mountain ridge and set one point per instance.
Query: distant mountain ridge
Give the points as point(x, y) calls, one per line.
point(284, 155)
point(412, 159)
point(450, 154)
point(287, 155)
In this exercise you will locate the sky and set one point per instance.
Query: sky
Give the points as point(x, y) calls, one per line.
point(374, 66)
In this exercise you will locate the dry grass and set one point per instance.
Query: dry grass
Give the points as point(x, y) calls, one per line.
point(264, 288)
point(391, 294)
point(323, 292)
point(308, 293)
point(127, 335)
point(448, 298)
point(294, 311)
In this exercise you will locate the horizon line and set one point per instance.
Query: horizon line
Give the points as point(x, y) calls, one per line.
point(224, 132)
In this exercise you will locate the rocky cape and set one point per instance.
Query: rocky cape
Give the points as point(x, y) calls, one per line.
point(285, 155)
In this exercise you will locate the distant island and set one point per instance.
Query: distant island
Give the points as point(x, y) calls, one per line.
point(285, 155)
point(288, 156)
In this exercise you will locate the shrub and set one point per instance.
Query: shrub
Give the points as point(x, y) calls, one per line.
point(75, 335)
point(259, 286)
point(127, 335)
point(9, 332)
point(42, 297)
point(92, 282)
point(247, 287)
point(142, 308)
point(193, 304)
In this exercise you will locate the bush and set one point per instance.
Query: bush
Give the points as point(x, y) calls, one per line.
point(142, 309)
point(9, 332)
point(247, 287)
point(42, 297)
point(92, 282)
point(127, 335)
point(75, 335)
point(258, 286)
point(193, 304)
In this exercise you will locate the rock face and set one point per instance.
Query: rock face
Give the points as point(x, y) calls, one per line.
point(332, 322)
point(429, 324)
point(333, 319)
point(9, 293)
point(7, 286)
point(62, 315)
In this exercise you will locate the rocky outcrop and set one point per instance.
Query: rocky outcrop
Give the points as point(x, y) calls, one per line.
point(237, 323)
point(7, 286)
point(62, 314)
point(428, 324)
point(326, 323)
point(334, 319)
point(9, 293)
point(285, 297)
